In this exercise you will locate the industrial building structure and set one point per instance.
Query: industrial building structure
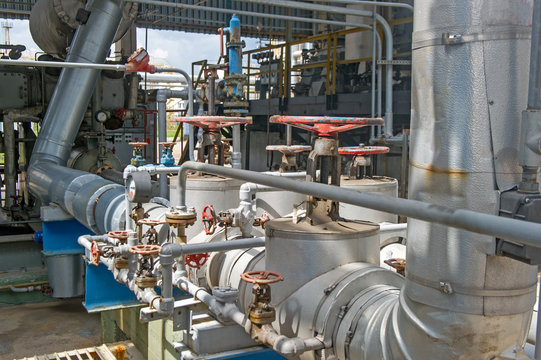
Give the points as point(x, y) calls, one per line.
point(362, 185)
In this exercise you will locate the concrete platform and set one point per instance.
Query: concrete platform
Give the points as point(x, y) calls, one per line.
point(42, 328)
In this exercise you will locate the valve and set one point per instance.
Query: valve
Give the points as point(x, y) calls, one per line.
point(398, 264)
point(324, 126)
point(95, 253)
point(46, 290)
point(209, 219)
point(151, 235)
point(196, 260)
point(289, 155)
point(360, 159)
point(211, 142)
point(139, 62)
point(167, 158)
point(121, 236)
point(179, 218)
point(138, 159)
point(261, 311)
point(262, 277)
point(145, 250)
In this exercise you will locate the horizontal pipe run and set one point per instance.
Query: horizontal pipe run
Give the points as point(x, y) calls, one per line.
point(177, 250)
point(62, 64)
point(373, 3)
point(522, 232)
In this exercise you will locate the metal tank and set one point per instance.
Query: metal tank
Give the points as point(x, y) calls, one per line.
point(277, 203)
point(376, 184)
point(203, 190)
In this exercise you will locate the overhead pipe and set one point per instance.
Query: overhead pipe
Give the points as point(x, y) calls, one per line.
point(522, 232)
point(64, 64)
point(388, 42)
point(374, 3)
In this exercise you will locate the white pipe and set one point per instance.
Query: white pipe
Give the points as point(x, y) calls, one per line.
point(63, 64)
point(24, 289)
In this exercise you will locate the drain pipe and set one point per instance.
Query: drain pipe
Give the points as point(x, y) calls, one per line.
point(522, 232)
point(388, 130)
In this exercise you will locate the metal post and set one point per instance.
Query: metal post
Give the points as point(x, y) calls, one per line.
point(10, 163)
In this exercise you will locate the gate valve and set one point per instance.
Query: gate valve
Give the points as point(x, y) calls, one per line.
point(262, 277)
point(209, 219)
point(196, 260)
point(121, 235)
point(214, 123)
point(262, 220)
point(363, 150)
point(324, 126)
point(138, 159)
point(151, 222)
point(139, 62)
point(398, 264)
point(289, 152)
point(167, 158)
point(145, 250)
point(46, 290)
point(95, 253)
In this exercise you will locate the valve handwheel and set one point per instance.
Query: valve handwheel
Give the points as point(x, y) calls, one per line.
point(289, 149)
point(214, 123)
point(363, 150)
point(196, 260)
point(151, 222)
point(209, 219)
point(398, 264)
point(95, 253)
point(325, 126)
point(120, 235)
point(145, 250)
point(262, 277)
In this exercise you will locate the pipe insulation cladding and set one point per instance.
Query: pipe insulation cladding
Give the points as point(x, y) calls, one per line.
point(93, 201)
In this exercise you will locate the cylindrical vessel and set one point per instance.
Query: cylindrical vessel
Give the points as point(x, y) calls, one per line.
point(277, 203)
point(377, 184)
point(66, 274)
point(202, 190)
point(300, 251)
point(464, 152)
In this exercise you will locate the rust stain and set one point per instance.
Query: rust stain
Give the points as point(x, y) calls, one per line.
point(436, 170)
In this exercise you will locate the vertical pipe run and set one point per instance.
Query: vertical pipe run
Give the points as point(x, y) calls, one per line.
point(10, 163)
point(534, 89)
point(161, 99)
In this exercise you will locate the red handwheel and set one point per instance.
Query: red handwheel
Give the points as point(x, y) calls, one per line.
point(209, 219)
point(325, 126)
point(196, 260)
point(262, 277)
point(363, 150)
point(95, 253)
point(145, 249)
point(213, 123)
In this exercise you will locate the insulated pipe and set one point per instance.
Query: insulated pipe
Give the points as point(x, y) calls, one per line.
point(375, 3)
point(388, 37)
point(190, 96)
point(79, 193)
point(177, 250)
point(522, 232)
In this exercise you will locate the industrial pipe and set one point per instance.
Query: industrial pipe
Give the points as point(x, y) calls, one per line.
point(388, 37)
point(65, 64)
point(523, 232)
point(191, 145)
point(177, 250)
point(374, 3)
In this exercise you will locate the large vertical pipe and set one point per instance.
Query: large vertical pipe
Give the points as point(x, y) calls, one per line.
point(534, 89)
point(10, 162)
point(464, 149)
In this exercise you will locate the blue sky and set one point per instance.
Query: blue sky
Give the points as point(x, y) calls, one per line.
point(174, 48)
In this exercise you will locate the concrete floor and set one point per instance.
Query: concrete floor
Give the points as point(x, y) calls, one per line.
point(44, 328)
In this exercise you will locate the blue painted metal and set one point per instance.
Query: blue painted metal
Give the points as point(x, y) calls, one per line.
point(103, 292)
point(60, 237)
point(167, 158)
point(234, 46)
point(38, 237)
point(248, 354)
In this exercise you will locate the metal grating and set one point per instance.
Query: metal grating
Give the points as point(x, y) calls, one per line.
point(198, 21)
point(95, 353)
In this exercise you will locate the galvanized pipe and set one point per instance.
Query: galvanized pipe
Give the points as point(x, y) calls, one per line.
point(523, 232)
point(388, 37)
point(190, 99)
point(375, 3)
point(177, 250)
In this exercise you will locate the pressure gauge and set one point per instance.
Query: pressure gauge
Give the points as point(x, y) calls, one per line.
point(139, 187)
point(101, 116)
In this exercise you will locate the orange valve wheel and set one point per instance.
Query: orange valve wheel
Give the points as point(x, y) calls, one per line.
point(262, 277)
point(363, 150)
point(396, 263)
point(214, 123)
point(151, 222)
point(196, 260)
point(145, 250)
point(120, 235)
point(209, 219)
point(95, 253)
point(324, 125)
